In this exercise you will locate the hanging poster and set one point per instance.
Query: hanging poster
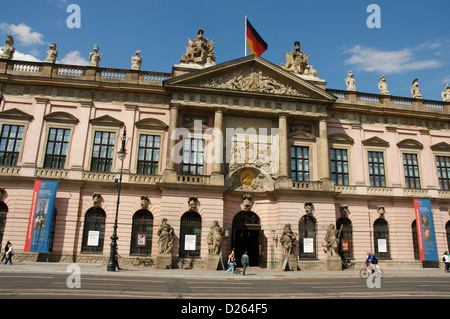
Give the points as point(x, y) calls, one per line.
point(189, 242)
point(425, 229)
point(345, 245)
point(41, 216)
point(142, 240)
point(308, 245)
point(382, 245)
point(93, 238)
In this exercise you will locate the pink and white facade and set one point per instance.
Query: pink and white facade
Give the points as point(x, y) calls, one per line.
point(335, 157)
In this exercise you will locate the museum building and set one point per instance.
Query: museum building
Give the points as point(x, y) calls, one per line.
point(264, 155)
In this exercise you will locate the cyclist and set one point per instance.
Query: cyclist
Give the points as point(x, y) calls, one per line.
point(371, 260)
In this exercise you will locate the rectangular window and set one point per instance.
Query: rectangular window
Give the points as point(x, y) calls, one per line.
point(411, 167)
point(103, 151)
point(10, 143)
point(300, 163)
point(148, 155)
point(193, 156)
point(339, 166)
point(57, 147)
point(443, 168)
point(376, 169)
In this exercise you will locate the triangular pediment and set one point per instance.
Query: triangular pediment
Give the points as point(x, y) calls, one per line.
point(106, 120)
point(61, 117)
point(249, 75)
point(16, 114)
point(441, 147)
point(375, 141)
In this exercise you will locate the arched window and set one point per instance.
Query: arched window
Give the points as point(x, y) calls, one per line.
point(191, 225)
point(94, 230)
point(307, 237)
point(346, 239)
point(3, 213)
point(141, 233)
point(381, 238)
point(415, 239)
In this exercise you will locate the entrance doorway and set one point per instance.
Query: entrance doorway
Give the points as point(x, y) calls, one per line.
point(247, 236)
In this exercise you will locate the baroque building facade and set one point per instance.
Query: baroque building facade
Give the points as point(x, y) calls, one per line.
point(246, 145)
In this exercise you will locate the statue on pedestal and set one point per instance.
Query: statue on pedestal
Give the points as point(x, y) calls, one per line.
point(166, 235)
point(382, 86)
point(215, 239)
point(8, 49)
point(415, 90)
point(199, 51)
point(52, 54)
point(288, 240)
point(136, 61)
point(446, 94)
point(95, 57)
point(350, 82)
point(332, 241)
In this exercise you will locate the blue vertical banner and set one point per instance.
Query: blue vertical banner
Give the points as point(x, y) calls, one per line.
point(41, 216)
point(425, 229)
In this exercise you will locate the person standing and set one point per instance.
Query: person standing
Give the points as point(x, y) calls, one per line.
point(446, 260)
point(244, 261)
point(6, 250)
point(231, 262)
point(9, 254)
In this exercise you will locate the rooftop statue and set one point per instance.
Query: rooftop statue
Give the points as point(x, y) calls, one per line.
point(136, 61)
point(297, 62)
point(415, 90)
point(52, 54)
point(95, 57)
point(382, 85)
point(199, 51)
point(8, 49)
point(446, 94)
point(350, 82)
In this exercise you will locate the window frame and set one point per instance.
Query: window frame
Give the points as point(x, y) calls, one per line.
point(20, 151)
point(47, 139)
point(106, 129)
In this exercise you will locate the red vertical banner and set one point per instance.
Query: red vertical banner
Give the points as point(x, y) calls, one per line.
point(419, 229)
point(32, 214)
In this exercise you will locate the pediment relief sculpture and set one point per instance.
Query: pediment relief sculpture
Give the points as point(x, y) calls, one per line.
point(251, 80)
point(252, 180)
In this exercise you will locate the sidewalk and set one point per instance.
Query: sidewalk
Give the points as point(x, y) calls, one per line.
point(251, 273)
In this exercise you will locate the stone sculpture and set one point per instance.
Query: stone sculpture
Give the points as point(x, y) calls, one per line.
point(446, 94)
point(382, 86)
point(215, 239)
point(332, 241)
point(95, 57)
point(415, 90)
point(52, 54)
point(199, 51)
point(136, 61)
point(166, 237)
point(350, 82)
point(8, 49)
point(288, 240)
point(297, 62)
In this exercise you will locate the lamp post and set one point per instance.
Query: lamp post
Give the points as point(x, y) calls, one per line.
point(112, 256)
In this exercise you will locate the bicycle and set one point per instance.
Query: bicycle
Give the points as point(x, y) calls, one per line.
point(142, 261)
point(371, 270)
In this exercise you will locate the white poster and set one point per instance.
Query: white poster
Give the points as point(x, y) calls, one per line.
point(382, 245)
point(308, 245)
point(93, 238)
point(189, 242)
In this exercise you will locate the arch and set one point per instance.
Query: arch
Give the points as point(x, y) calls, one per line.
point(381, 238)
point(346, 239)
point(247, 236)
point(190, 225)
point(94, 224)
point(3, 213)
point(307, 241)
point(141, 233)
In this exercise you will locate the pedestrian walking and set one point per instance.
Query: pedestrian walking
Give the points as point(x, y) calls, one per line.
point(6, 249)
point(9, 254)
point(446, 260)
point(245, 260)
point(117, 258)
point(231, 262)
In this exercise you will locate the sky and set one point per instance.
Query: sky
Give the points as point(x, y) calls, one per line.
point(411, 39)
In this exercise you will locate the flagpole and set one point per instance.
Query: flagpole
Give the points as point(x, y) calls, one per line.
point(245, 37)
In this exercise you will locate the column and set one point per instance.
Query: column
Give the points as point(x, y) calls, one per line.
point(283, 181)
point(323, 155)
point(170, 174)
point(217, 177)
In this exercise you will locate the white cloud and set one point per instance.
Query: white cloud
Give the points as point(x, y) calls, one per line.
point(75, 58)
point(23, 33)
point(25, 57)
point(385, 62)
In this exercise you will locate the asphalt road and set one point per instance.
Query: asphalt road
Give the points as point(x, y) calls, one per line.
point(55, 286)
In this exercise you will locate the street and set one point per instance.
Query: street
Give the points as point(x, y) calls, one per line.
point(16, 285)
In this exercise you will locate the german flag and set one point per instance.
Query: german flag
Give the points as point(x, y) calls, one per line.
point(254, 41)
